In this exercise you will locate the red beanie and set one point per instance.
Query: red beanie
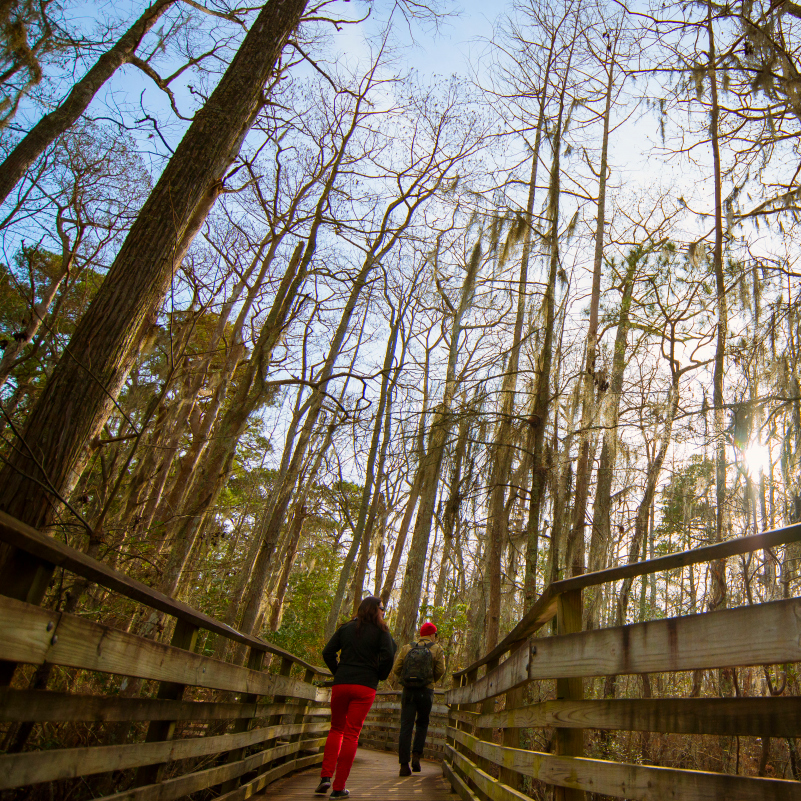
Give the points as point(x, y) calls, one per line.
point(427, 628)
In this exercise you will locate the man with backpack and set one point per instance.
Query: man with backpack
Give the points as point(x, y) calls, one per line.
point(418, 666)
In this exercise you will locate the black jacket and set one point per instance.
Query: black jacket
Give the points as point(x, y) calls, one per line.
point(366, 655)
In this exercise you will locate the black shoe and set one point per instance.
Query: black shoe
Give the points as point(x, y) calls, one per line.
point(339, 794)
point(324, 786)
point(405, 770)
point(416, 763)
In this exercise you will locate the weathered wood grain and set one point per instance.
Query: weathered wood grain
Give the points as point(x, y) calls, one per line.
point(18, 770)
point(203, 779)
point(433, 731)
point(184, 637)
point(39, 706)
point(542, 612)
point(568, 741)
point(757, 717)
point(57, 553)
point(472, 718)
point(251, 788)
point(495, 790)
point(34, 635)
point(511, 736)
point(636, 782)
point(436, 709)
point(509, 674)
point(544, 609)
point(458, 783)
point(766, 634)
point(255, 662)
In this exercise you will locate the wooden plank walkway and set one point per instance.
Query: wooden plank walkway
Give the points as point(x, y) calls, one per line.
point(373, 777)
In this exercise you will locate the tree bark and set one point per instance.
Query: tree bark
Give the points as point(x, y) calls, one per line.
point(275, 517)
point(414, 492)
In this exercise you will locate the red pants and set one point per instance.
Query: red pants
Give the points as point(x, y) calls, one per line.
point(350, 704)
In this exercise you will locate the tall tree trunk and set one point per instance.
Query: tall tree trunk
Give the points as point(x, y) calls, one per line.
point(359, 541)
point(498, 522)
point(718, 567)
point(157, 506)
point(639, 538)
point(209, 480)
point(378, 508)
point(575, 557)
point(542, 395)
point(409, 604)
point(414, 491)
point(563, 471)
point(275, 515)
point(293, 537)
point(600, 537)
point(277, 604)
point(81, 391)
point(56, 122)
point(450, 516)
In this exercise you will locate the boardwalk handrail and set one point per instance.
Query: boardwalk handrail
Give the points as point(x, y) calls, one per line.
point(179, 722)
point(544, 609)
point(52, 553)
point(483, 769)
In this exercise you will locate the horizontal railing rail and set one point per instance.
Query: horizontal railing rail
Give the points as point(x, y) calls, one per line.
point(50, 553)
point(544, 609)
point(89, 710)
point(489, 710)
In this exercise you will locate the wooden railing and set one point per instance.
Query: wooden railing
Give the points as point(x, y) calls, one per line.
point(128, 717)
point(382, 725)
point(484, 759)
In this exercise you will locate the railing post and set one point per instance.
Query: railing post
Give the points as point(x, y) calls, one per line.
point(485, 734)
point(185, 637)
point(255, 662)
point(569, 742)
point(25, 578)
point(275, 720)
point(308, 677)
point(470, 678)
point(456, 682)
point(511, 736)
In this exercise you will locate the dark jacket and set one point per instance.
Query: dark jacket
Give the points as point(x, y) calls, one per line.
point(366, 655)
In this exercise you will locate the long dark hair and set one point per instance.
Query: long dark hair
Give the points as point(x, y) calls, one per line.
point(368, 613)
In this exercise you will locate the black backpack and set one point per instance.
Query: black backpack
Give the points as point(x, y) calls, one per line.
point(418, 666)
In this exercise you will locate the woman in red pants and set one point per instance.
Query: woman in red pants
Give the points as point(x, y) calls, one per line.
point(366, 652)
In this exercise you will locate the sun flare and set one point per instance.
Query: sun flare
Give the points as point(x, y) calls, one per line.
point(757, 458)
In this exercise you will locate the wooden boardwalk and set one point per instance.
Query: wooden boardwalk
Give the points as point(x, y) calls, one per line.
point(374, 777)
